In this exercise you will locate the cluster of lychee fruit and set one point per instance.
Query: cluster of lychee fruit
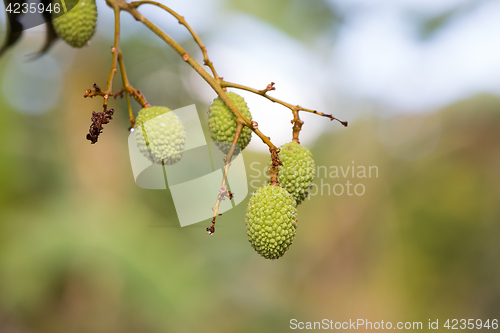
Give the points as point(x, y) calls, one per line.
point(271, 215)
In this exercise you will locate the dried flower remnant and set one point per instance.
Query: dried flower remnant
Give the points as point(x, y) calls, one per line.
point(98, 119)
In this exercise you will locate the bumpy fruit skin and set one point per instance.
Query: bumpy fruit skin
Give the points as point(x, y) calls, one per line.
point(298, 170)
point(76, 26)
point(222, 125)
point(271, 221)
point(160, 135)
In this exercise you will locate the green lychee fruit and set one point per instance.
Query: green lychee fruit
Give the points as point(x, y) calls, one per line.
point(298, 170)
point(160, 135)
point(222, 123)
point(77, 26)
point(271, 220)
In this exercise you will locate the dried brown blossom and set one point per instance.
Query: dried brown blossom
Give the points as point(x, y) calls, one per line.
point(98, 119)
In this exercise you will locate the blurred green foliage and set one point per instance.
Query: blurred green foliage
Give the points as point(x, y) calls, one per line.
point(83, 249)
point(428, 26)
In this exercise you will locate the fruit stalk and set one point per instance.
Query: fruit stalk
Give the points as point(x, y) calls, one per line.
point(223, 188)
point(131, 117)
point(114, 51)
point(274, 168)
point(130, 91)
point(297, 126)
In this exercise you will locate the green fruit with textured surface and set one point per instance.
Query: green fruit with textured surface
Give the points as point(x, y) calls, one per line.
point(271, 221)
point(222, 123)
point(77, 26)
point(298, 171)
point(160, 135)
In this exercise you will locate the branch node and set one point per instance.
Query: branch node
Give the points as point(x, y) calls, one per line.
point(96, 92)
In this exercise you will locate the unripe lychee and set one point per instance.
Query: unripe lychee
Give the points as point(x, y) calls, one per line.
point(271, 220)
point(76, 26)
point(222, 123)
point(160, 135)
point(298, 170)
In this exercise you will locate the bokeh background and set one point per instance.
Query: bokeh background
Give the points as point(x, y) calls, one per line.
point(83, 249)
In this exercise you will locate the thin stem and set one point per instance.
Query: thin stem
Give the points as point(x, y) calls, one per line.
point(114, 51)
point(223, 192)
point(125, 84)
point(118, 58)
point(182, 21)
point(274, 169)
point(263, 93)
point(127, 89)
point(297, 126)
point(130, 91)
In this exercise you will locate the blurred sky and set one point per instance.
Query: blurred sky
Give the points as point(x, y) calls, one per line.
point(377, 56)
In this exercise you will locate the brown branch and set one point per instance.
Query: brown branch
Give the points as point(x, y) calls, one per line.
point(114, 51)
point(117, 58)
point(345, 123)
point(214, 83)
point(127, 88)
point(206, 60)
point(270, 87)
